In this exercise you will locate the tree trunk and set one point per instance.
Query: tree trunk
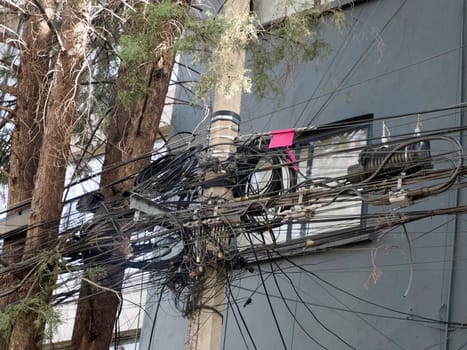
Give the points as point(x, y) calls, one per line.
point(131, 134)
point(46, 205)
point(27, 137)
point(31, 85)
point(27, 134)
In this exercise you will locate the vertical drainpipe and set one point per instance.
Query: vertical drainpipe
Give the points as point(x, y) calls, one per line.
point(460, 97)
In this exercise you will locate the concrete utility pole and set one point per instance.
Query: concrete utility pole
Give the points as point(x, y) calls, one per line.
point(205, 322)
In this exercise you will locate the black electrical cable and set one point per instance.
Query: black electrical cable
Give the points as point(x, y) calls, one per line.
point(423, 318)
point(311, 311)
point(268, 298)
point(116, 333)
point(293, 315)
point(458, 106)
point(182, 215)
point(452, 130)
point(226, 324)
point(231, 297)
point(337, 54)
point(153, 327)
point(347, 310)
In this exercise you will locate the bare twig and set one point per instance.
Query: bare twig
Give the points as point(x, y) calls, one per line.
point(8, 89)
point(18, 286)
point(10, 37)
point(4, 173)
point(49, 23)
point(97, 285)
point(12, 6)
point(8, 65)
point(5, 120)
point(9, 110)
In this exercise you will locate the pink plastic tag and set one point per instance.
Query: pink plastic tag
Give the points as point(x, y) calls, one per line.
point(281, 138)
point(284, 138)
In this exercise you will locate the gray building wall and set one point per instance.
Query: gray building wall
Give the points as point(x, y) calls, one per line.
point(394, 57)
point(163, 327)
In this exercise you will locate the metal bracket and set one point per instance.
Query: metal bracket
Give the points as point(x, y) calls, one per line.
point(145, 205)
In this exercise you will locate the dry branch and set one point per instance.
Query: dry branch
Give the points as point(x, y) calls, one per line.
point(8, 110)
point(12, 6)
point(10, 39)
point(6, 119)
point(7, 39)
point(8, 89)
point(11, 67)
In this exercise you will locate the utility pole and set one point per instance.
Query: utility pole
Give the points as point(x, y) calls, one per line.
point(205, 321)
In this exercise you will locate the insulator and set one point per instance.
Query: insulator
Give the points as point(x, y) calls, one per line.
point(409, 159)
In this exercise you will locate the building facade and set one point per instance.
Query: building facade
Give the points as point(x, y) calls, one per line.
point(403, 286)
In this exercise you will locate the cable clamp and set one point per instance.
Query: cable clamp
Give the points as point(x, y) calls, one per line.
point(400, 198)
point(307, 211)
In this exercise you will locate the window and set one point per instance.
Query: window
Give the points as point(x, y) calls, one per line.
point(314, 179)
point(323, 159)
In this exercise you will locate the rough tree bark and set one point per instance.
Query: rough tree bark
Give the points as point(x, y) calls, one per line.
point(46, 205)
point(27, 136)
point(131, 134)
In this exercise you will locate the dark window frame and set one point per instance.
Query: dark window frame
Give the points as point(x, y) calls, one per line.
point(338, 237)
